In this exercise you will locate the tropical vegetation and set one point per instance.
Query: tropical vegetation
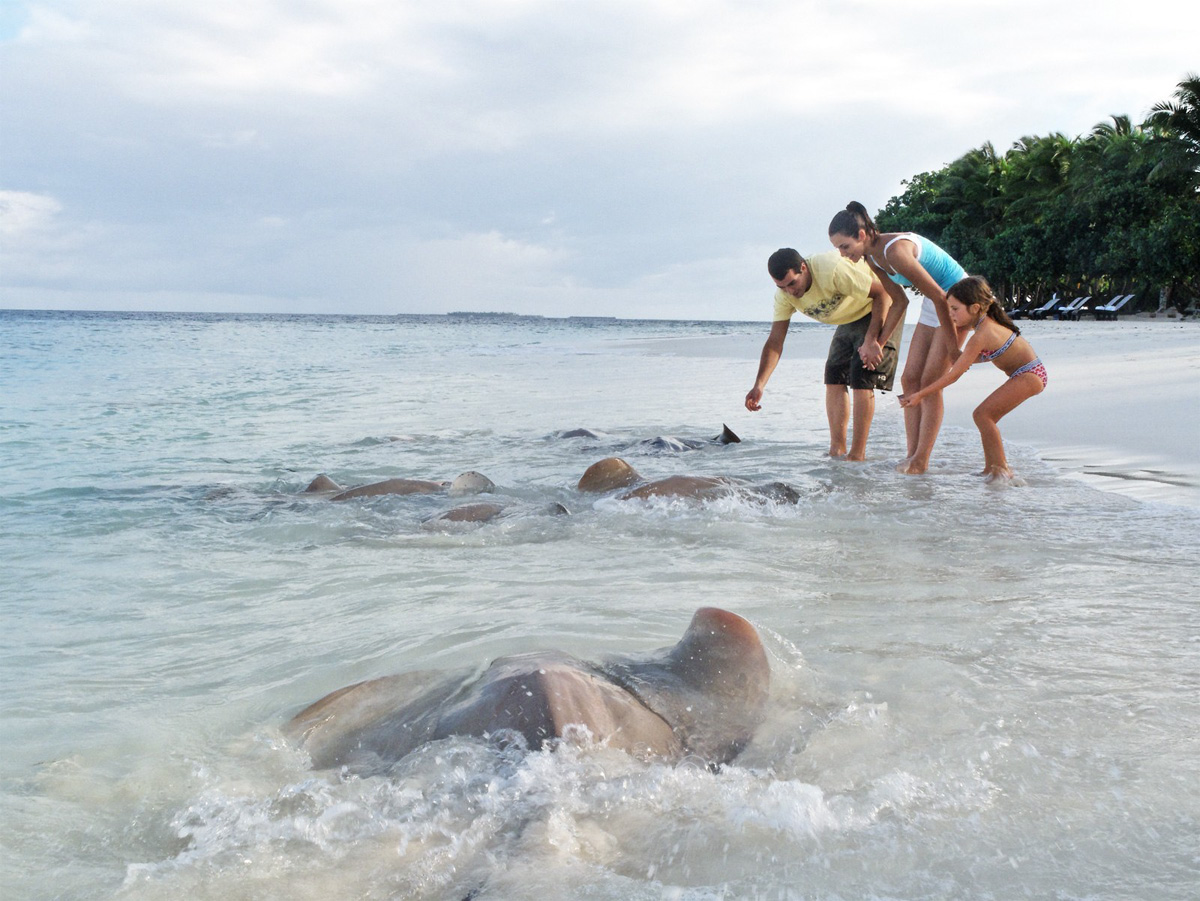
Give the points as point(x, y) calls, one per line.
point(1111, 212)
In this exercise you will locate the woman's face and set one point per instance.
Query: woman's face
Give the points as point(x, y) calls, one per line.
point(852, 247)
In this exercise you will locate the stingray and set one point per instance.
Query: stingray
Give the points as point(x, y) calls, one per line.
point(701, 698)
point(613, 474)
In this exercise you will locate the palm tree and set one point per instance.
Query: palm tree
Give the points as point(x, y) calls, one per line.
point(1180, 120)
point(970, 200)
point(1182, 117)
point(1035, 170)
point(1121, 126)
point(1177, 125)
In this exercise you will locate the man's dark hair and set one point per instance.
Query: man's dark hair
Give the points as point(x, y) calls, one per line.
point(782, 260)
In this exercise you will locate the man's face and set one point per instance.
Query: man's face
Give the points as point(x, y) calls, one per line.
point(794, 283)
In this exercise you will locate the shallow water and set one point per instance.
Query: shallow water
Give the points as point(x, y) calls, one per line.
point(978, 691)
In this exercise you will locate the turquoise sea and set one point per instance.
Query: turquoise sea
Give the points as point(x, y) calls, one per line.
point(978, 691)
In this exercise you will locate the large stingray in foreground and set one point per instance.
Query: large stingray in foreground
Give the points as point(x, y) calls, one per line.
point(703, 697)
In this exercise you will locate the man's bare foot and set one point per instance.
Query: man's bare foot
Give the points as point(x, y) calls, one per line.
point(998, 474)
point(911, 467)
point(855, 458)
point(837, 454)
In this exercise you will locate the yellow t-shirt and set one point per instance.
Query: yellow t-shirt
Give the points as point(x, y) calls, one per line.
point(837, 295)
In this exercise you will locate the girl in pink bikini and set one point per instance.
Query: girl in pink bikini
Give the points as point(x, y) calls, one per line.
point(995, 340)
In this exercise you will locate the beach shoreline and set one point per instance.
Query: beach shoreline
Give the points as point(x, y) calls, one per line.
point(1121, 410)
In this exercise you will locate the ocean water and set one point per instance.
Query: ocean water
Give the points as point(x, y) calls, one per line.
point(977, 691)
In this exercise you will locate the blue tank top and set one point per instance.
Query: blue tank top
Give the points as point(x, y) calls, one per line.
point(942, 267)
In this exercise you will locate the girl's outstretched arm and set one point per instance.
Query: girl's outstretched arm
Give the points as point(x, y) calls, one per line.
point(968, 356)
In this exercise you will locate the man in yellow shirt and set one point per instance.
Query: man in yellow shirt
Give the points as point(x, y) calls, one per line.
point(830, 288)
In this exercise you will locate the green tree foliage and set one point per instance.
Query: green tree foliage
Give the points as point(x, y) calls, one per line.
point(1113, 211)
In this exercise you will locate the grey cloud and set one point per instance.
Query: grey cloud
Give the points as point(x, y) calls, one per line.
point(590, 153)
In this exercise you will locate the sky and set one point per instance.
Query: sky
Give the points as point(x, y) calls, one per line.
point(633, 158)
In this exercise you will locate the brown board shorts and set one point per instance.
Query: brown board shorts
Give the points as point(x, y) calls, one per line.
point(845, 367)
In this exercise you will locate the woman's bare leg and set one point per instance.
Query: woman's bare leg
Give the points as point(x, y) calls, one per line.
point(932, 409)
point(910, 382)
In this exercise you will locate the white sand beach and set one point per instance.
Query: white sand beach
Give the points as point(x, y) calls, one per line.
point(1122, 407)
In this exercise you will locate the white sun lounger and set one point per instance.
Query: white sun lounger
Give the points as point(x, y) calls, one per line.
point(1040, 312)
point(1110, 310)
point(1071, 310)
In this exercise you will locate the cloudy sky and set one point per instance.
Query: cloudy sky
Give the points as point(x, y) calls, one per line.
point(560, 157)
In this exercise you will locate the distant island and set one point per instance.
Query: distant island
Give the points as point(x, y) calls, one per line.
point(472, 314)
point(477, 314)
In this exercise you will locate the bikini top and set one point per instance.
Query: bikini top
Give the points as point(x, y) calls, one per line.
point(987, 356)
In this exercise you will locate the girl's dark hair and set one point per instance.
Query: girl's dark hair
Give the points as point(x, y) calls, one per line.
point(975, 289)
point(851, 219)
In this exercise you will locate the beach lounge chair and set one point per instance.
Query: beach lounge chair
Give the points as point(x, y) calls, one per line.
point(1071, 310)
point(1042, 311)
point(1110, 310)
point(1018, 307)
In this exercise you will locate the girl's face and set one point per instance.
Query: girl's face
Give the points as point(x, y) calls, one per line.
point(961, 315)
point(852, 247)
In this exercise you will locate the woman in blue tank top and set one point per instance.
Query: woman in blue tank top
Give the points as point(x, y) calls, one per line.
point(900, 260)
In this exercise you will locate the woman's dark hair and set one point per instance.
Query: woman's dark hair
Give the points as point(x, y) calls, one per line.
point(851, 219)
point(782, 260)
point(975, 289)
